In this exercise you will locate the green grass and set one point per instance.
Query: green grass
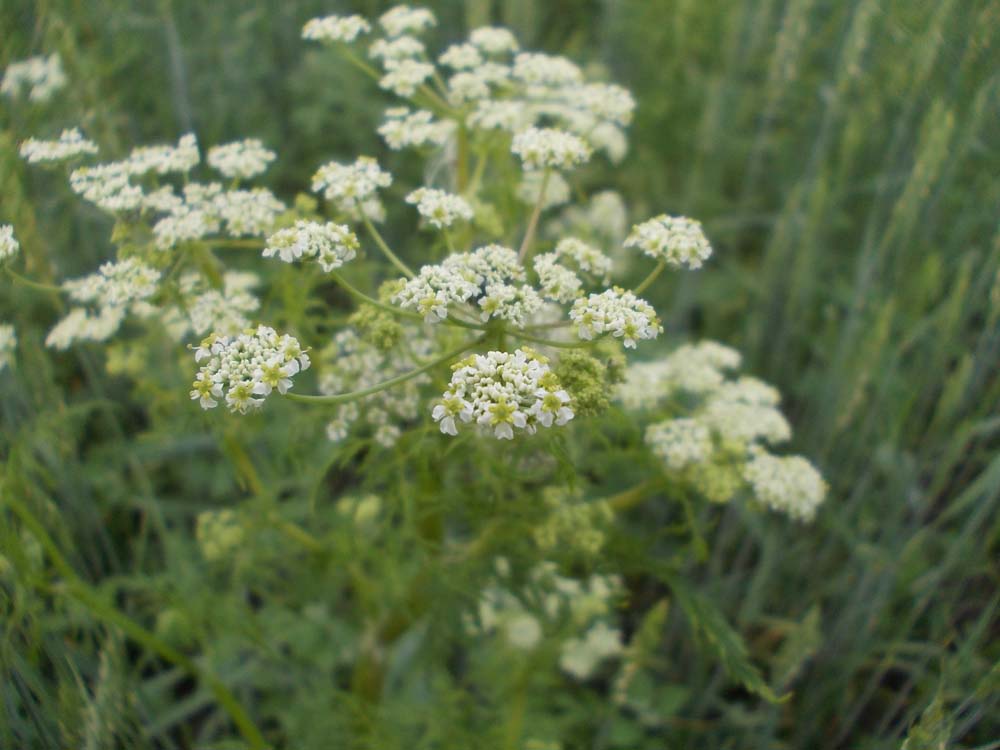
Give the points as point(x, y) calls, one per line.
point(844, 158)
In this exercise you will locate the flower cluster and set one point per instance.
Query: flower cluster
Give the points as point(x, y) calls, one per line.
point(244, 369)
point(617, 312)
point(724, 425)
point(574, 611)
point(42, 76)
point(490, 277)
point(336, 28)
point(70, 144)
point(202, 308)
point(548, 148)
point(9, 246)
point(353, 363)
point(110, 294)
point(558, 280)
point(787, 484)
point(502, 391)
point(405, 128)
point(441, 209)
point(675, 239)
point(350, 185)
point(241, 159)
point(330, 244)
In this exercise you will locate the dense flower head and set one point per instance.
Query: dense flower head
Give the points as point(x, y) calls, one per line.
point(787, 484)
point(70, 144)
point(461, 57)
point(352, 363)
point(203, 308)
point(558, 282)
point(550, 70)
point(680, 442)
point(586, 257)
point(244, 369)
point(9, 246)
point(742, 423)
point(698, 368)
point(403, 77)
point(42, 76)
point(549, 148)
point(400, 48)
point(8, 346)
point(493, 39)
point(675, 239)
point(441, 209)
point(330, 244)
point(109, 295)
point(404, 19)
point(404, 128)
point(348, 184)
point(503, 391)
point(335, 28)
point(617, 312)
point(165, 159)
point(240, 159)
point(489, 272)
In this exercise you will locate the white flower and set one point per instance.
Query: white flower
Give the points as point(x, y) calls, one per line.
point(541, 148)
point(248, 212)
point(680, 442)
point(617, 312)
point(462, 277)
point(587, 258)
point(440, 208)
point(676, 239)
point(461, 57)
point(244, 369)
point(204, 308)
point(789, 485)
point(165, 159)
point(115, 284)
point(740, 422)
point(350, 183)
point(404, 128)
point(107, 186)
point(8, 346)
point(538, 68)
point(492, 114)
point(241, 159)
point(402, 77)
point(502, 391)
point(330, 244)
point(335, 28)
point(558, 283)
point(515, 304)
point(607, 101)
point(9, 246)
point(42, 76)
point(403, 19)
point(493, 39)
point(71, 143)
point(580, 657)
point(523, 631)
point(401, 48)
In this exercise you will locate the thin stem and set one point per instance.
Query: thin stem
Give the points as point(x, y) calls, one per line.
point(633, 496)
point(529, 235)
point(249, 244)
point(362, 297)
point(84, 593)
point(382, 244)
point(651, 278)
point(342, 398)
point(477, 174)
point(548, 342)
point(33, 284)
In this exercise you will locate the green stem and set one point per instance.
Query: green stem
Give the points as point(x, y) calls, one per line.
point(249, 244)
point(477, 174)
point(362, 297)
point(529, 235)
point(33, 284)
point(631, 497)
point(382, 244)
point(83, 593)
point(548, 342)
point(651, 278)
point(342, 398)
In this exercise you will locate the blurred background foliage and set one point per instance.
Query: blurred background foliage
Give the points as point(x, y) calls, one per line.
point(845, 158)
